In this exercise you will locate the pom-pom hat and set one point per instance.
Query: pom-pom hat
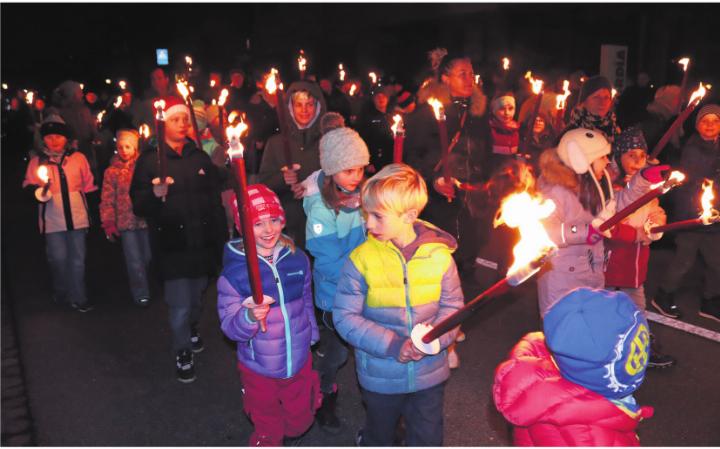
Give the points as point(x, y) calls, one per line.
point(264, 203)
point(600, 340)
point(342, 149)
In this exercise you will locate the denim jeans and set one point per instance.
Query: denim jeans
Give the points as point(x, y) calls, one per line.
point(136, 247)
point(66, 257)
point(184, 298)
point(332, 352)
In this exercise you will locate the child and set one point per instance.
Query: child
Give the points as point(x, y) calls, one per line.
point(700, 160)
point(570, 176)
point(573, 385)
point(281, 390)
point(334, 228)
point(404, 274)
point(62, 210)
point(118, 219)
point(629, 246)
point(504, 130)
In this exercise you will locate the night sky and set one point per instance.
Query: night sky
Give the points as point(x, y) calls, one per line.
point(43, 44)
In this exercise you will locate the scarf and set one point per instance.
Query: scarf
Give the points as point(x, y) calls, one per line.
point(505, 136)
point(581, 118)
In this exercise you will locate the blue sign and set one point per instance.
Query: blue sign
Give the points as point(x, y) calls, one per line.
point(162, 56)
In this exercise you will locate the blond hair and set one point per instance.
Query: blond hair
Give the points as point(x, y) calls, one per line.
point(397, 188)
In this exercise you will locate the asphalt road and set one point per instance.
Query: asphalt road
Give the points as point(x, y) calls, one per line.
point(106, 378)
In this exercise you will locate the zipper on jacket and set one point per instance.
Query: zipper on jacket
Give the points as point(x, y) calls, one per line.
point(252, 349)
point(283, 310)
point(408, 318)
point(637, 264)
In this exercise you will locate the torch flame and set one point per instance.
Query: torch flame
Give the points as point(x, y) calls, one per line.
point(29, 97)
point(100, 116)
point(223, 97)
point(212, 83)
point(397, 126)
point(560, 100)
point(5, 86)
point(188, 60)
point(537, 84)
point(477, 80)
point(144, 131)
point(160, 108)
point(506, 63)
point(353, 88)
point(183, 89)
point(42, 173)
point(613, 92)
point(234, 133)
point(522, 211)
point(684, 62)
point(271, 83)
point(302, 62)
point(122, 84)
point(108, 81)
point(698, 94)
point(373, 77)
point(118, 101)
point(706, 201)
point(342, 72)
point(437, 108)
point(232, 116)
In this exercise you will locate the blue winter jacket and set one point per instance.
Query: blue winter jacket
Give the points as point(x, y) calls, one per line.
point(291, 327)
point(381, 297)
point(330, 238)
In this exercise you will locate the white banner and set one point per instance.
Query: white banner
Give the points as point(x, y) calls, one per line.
point(613, 64)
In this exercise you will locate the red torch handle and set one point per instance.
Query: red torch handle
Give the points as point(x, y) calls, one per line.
point(531, 123)
point(248, 235)
point(461, 315)
point(632, 207)
point(398, 149)
point(696, 222)
point(162, 149)
point(671, 131)
point(221, 117)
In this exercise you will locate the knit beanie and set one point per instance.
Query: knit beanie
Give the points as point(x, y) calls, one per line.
point(630, 139)
point(579, 147)
point(707, 110)
point(341, 149)
point(599, 340)
point(592, 85)
point(264, 203)
point(175, 105)
point(330, 121)
point(54, 124)
point(501, 100)
point(200, 114)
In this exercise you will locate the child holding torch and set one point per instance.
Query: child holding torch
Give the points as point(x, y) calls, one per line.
point(404, 274)
point(60, 178)
point(281, 390)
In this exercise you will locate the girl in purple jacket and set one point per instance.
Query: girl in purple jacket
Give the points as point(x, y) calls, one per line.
point(281, 390)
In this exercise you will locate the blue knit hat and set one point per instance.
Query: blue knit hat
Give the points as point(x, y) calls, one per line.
point(630, 139)
point(600, 340)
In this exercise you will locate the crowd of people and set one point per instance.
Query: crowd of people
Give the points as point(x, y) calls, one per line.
point(355, 249)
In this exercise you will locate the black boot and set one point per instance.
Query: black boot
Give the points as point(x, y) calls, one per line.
point(665, 304)
point(326, 417)
point(657, 358)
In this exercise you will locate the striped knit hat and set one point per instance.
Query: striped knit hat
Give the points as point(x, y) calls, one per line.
point(264, 203)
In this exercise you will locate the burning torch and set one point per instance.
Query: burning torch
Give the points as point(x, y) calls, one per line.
point(42, 173)
point(695, 99)
point(182, 87)
point(398, 131)
point(440, 117)
point(708, 216)
point(537, 88)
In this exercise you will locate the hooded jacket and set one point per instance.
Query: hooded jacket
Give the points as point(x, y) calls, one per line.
point(700, 160)
point(283, 349)
point(548, 410)
point(381, 296)
point(115, 204)
point(576, 263)
point(468, 159)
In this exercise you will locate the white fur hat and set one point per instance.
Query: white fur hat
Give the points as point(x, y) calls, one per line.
point(578, 148)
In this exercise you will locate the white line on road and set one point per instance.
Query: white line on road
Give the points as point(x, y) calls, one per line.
point(683, 326)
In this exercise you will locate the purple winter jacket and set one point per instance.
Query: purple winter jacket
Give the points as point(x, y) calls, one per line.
point(291, 327)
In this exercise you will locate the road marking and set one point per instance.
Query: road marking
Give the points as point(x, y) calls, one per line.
point(683, 326)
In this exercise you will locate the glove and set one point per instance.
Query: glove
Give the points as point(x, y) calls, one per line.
point(447, 190)
point(655, 174)
point(160, 189)
point(604, 215)
point(111, 231)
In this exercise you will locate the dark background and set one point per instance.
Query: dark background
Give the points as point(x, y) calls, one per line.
point(43, 44)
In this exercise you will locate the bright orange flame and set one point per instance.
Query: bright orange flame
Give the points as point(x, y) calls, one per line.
point(560, 100)
point(108, 81)
point(160, 104)
point(477, 79)
point(212, 83)
point(353, 88)
point(506, 63)
point(232, 116)
point(82, 86)
point(522, 211)
point(122, 84)
point(183, 89)
point(144, 131)
point(397, 124)
point(613, 92)
point(42, 173)
point(342, 72)
point(373, 77)
point(188, 60)
point(29, 97)
point(234, 133)
point(271, 82)
point(302, 62)
point(160, 109)
point(684, 62)
point(437, 108)
point(698, 94)
point(537, 84)
point(118, 101)
point(100, 116)
point(706, 200)
point(223, 97)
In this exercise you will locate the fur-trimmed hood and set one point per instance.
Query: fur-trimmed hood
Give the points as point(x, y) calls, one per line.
point(554, 172)
point(433, 88)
